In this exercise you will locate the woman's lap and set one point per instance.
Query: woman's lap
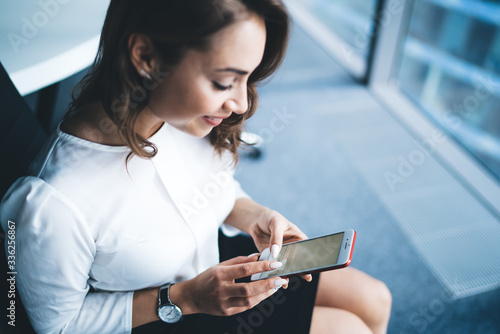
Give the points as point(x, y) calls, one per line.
point(286, 311)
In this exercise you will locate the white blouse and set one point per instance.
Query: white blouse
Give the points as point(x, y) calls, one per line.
point(84, 220)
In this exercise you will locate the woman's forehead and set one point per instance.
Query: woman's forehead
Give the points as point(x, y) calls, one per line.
point(238, 46)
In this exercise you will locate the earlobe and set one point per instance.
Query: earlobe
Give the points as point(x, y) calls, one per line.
point(145, 74)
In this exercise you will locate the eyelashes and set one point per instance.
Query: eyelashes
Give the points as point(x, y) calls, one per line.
point(221, 87)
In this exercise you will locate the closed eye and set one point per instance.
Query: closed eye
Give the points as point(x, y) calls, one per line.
point(221, 87)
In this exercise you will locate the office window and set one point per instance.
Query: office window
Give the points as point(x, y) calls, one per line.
point(352, 22)
point(449, 64)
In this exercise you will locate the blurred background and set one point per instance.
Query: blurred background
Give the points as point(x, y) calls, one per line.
point(384, 118)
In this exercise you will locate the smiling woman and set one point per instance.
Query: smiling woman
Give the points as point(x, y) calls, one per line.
point(210, 54)
point(207, 87)
point(117, 226)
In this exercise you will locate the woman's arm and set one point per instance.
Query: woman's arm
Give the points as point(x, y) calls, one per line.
point(145, 304)
point(55, 250)
point(214, 291)
point(245, 213)
point(145, 307)
point(267, 227)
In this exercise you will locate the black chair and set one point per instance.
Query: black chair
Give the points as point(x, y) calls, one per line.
point(21, 137)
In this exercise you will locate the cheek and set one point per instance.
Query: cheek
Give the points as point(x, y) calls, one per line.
point(209, 101)
point(198, 100)
point(179, 100)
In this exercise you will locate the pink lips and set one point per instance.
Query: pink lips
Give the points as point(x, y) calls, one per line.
point(214, 121)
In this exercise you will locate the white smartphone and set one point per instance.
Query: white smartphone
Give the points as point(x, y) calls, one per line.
point(309, 256)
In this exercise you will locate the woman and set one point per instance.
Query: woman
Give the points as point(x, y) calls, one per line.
point(118, 223)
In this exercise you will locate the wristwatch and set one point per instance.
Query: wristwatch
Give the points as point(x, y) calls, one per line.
point(167, 311)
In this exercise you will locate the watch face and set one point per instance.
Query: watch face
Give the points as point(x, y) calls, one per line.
point(170, 313)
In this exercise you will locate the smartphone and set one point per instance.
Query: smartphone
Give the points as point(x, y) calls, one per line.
point(313, 255)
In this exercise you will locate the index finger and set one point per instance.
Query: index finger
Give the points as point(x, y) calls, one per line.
point(247, 269)
point(278, 234)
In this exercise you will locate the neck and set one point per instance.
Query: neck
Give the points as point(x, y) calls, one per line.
point(93, 124)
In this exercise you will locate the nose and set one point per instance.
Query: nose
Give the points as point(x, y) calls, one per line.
point(238, 101)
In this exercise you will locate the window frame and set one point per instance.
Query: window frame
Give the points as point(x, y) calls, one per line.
point(451, 153)
point(356, 65)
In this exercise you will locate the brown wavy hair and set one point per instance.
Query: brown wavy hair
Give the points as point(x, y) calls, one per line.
point(174, 26)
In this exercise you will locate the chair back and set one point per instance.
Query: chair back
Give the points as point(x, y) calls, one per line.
point(21, 135)
point(21, 138)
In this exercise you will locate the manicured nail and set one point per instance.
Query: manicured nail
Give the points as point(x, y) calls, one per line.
point(253, 254)
point(275, 250)
point(309, 278)
point(279, 282)
point(285, 286)
point(275, 265)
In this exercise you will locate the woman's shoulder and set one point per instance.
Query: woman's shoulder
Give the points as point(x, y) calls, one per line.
point(72, 167)
point(65, 156)
point(24, 185)
point(30, 189)
point(39, 212)
point(27, 195)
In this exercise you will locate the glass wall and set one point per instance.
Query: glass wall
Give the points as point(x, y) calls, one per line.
point(352, 21)
point(449, 65)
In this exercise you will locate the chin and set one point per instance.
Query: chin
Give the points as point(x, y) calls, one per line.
point(199, 133)
point(195, 130)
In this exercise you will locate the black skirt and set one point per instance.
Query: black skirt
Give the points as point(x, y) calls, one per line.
point(286, 311)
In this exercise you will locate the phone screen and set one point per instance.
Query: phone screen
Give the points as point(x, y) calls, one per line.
point(308, 254)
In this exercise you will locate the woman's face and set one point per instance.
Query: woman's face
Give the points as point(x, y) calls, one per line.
point(206, 87)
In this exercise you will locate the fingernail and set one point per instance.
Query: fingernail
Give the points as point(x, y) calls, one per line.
point(275, 250)
point(253, 254)
point(279, 282)
point(309, 278)
point(275, 265)
point(285, 286)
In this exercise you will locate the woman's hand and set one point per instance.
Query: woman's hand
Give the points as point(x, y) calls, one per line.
point(215, 292)
point(271, 230)
point(267, 227)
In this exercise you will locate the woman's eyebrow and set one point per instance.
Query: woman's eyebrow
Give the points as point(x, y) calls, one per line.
point(230, 69)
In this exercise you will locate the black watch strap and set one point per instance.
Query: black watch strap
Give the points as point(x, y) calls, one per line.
point(164, 295)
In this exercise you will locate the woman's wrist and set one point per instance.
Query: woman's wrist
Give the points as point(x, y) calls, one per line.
point(246, 213)
point(145, 307)
point(145, 303)
point(181, 294)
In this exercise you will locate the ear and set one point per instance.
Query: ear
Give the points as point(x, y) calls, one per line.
point(142, 54)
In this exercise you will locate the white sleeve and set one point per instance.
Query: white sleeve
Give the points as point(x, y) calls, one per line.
point(54, 253)
point(229, 230)
point(229, 168)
